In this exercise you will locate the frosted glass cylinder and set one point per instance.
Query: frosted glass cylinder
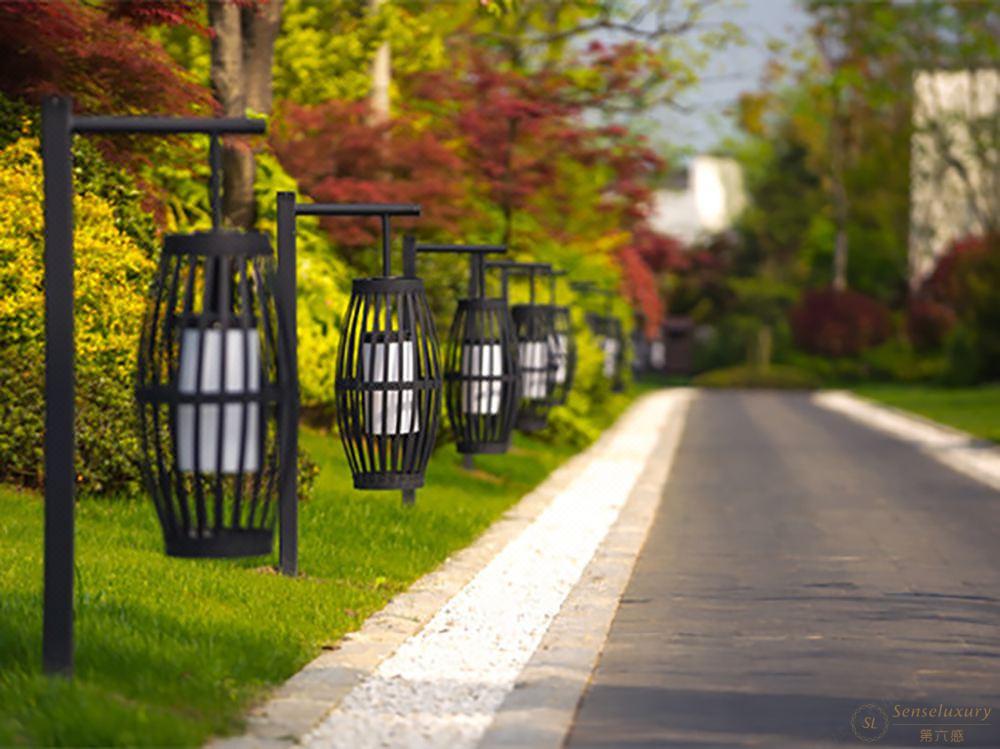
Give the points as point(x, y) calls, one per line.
point(389, 412)
point(610, 348)
point(658, 355)
point(534, 369)
point(242, 375)
point(560, 343)
point(481, 360)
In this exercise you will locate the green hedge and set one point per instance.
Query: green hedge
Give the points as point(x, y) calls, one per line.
point(112, 274)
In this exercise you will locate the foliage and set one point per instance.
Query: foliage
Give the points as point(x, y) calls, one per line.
point(928, 323)
point(894, 361)
point(322, 286)
point(112, 275)
point(336, 155)
point(99, 58)
point(975, 344)
point(91, 169)
point(775, 377)
point(831, 114)
point(839, 323)
point(325, 48)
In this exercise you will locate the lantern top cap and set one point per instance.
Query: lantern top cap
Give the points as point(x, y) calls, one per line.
point(216, 243)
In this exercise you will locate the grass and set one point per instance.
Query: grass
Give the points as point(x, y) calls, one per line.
point(975, 409)
point(172, 651)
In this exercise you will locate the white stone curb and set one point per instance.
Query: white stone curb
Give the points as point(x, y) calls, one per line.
point(976, 458)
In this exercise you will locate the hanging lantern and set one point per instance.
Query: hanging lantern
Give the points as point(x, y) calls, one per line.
point(533, 328)
point(563, 347)
point(388, 383)
point(212, 380)
point(615, 353)
point(658, 355)
point(480, 362)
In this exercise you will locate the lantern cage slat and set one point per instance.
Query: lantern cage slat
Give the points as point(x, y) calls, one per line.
point(388, 383)
point(212, 380)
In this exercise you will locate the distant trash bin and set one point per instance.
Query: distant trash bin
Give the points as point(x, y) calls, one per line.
point(678, 340)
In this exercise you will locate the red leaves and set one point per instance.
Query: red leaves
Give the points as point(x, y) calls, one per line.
point(153, 12)
point(102, 60)
point(338, 156)
point(660, 252)
point(839, 323)
point(641, 289)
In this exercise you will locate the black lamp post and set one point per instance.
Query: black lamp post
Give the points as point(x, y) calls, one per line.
point(388, 377)
point(564, 345)
point(481, 358)
point(533, 326)
point(59, 125)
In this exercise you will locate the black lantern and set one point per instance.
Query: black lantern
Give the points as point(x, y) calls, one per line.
point(211, 385)
point(535, 333)
point(610, 334)
point(480, 361)
point(563, 347)
point(613, 346)
point(388, 383)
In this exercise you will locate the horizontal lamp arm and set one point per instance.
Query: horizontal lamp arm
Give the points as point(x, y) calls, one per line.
point(357, 209)
point(168, 125)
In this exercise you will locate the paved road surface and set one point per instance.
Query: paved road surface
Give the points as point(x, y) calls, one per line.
point(799, 567)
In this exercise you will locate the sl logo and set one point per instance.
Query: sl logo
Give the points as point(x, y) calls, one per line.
point(869, 723)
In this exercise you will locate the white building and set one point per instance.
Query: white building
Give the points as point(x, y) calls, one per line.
point(954, 162)
point(707, 204)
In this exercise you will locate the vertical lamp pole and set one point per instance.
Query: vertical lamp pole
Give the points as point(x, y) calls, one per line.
point(288, 525)
point(58, 127)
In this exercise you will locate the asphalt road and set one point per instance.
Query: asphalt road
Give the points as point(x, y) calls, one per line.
point(801, 566)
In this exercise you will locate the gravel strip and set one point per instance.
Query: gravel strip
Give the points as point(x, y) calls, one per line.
point(442, 687)
point(962, 452)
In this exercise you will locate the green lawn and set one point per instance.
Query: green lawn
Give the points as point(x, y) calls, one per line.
point(974, 410)
point(170, 651)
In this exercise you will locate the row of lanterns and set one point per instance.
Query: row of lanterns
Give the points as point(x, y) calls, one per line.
point(218, 402)
point(217, 380)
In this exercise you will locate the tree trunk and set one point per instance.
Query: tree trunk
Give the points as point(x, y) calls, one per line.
point(378, 99)
point(840, 208)
point(242, 56)
point(261, 26)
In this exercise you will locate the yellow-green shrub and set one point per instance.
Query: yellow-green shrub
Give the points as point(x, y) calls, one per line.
point(111, 277)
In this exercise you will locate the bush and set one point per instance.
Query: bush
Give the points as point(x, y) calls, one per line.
point(928, 323)
point(112, 275)
point(894, 361)
point(839, 323)
point(974, 348)
point(775, 377)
